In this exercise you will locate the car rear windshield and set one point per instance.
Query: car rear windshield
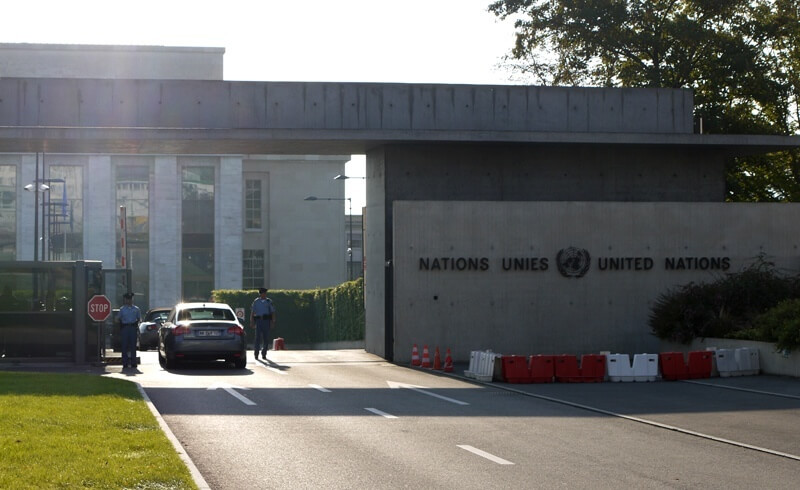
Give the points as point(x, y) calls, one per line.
point(156, 315)
point(206, 314)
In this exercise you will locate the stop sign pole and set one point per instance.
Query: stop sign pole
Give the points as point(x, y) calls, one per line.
point(98, 308)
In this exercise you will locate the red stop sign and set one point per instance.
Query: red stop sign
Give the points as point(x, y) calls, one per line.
point(99, 307)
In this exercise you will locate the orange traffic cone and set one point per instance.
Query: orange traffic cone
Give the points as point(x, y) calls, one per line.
point(448, 362)
point(437, 360)
point(415, 356)
point(426, 357)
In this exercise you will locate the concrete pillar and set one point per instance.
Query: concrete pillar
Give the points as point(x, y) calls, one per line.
point(25, 207)
point(165, 233)
point(377, 275)
point(100, 212)
point(228, 224)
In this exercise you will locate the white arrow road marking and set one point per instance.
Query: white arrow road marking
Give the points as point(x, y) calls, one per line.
point(484, 454)
point(381, 413)
point(421, 389)
point(320, 388)
point(232, 390)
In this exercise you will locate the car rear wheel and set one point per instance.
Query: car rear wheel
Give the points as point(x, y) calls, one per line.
point(166, 362)
point(240, 363)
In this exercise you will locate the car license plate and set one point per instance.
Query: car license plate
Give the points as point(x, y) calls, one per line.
point(208, 333)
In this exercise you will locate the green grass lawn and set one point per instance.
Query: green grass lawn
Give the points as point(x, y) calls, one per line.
point(82, 431)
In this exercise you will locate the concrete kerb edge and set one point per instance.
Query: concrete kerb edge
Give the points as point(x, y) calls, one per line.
point(196, 476)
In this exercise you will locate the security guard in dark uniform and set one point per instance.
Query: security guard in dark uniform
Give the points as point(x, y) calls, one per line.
point(262, 316)
point(129, 317)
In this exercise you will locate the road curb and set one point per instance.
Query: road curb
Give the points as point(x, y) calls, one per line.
point(196, 476)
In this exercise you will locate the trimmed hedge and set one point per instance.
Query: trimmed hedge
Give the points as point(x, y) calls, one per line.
point(308, 316)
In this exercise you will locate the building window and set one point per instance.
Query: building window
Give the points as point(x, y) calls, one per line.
point(64, 213)
point(8, 212)
point(252, 269)
point(133, 193)
point(252, 204)
point(197, 232)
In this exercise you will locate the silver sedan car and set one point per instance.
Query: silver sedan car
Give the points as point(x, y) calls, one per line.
point(201, 332)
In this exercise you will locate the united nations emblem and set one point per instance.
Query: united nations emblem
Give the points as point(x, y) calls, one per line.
point(573, 262)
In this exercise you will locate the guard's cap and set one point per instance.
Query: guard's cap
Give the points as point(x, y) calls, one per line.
point(262, 290)
point(128, 295)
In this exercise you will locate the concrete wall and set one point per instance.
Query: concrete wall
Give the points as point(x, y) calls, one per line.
point(533, 308)
point(552, 173)
point(447, 172)
point(108, 62)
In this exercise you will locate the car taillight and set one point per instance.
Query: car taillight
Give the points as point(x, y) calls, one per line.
point(180, 330)
point(236, 330)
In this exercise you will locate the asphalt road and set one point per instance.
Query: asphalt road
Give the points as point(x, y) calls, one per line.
point(346, 419)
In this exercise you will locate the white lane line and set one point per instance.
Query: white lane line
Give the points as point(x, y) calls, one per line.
point(320, 388)
point(653, 423)
point(231, 390)
point(421, 389)
point(381, 413)
point(748, 390)
point(484, 454)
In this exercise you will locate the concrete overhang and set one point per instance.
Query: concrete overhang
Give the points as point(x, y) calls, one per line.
point(220, 117)
point(338, 142)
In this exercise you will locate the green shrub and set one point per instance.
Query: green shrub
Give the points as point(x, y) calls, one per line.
point(781, 324)
point(727, 307)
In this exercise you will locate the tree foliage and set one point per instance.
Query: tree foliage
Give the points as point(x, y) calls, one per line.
point(740, 57)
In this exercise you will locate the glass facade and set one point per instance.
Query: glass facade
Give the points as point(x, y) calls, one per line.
point(197, 229)
point(8, 212)
point(133, 193)
point(252, 269)
point(63, 213)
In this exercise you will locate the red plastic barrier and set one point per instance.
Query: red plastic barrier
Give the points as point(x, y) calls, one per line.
point(542, 368)
point(673, 367)
point(593, 368)
point(700, 364)
point(567, 369)
point(515, 369)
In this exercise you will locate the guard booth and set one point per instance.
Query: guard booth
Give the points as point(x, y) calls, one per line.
point(43, 309)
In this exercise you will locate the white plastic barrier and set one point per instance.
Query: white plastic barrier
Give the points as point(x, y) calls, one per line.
point(473, 364)
point(618, 367)
point(645, 367)
point(726, 363)
point(747, 361)
point(481, 365)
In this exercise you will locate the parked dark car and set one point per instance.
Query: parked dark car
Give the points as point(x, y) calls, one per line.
point(148, 328)
point(201, 332)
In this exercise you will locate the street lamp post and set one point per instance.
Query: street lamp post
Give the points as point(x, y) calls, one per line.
point(350, 232)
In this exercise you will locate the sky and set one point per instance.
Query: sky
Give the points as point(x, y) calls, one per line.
point(409, 41)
